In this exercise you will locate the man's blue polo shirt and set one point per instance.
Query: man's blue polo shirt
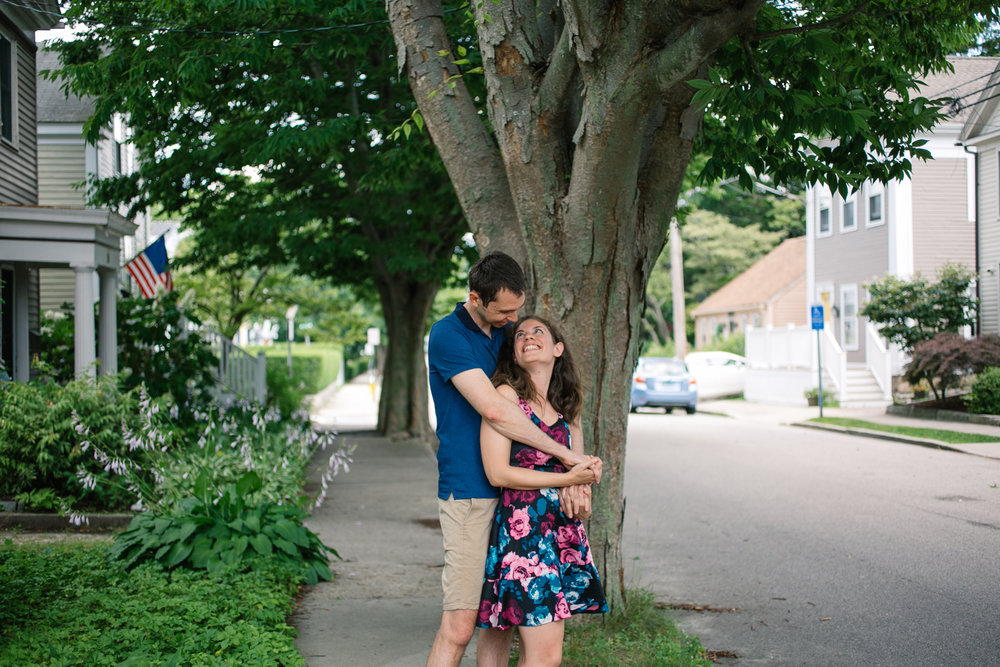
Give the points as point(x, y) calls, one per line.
point(457, 344)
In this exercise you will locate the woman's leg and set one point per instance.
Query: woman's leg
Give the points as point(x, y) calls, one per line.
point(541, 645)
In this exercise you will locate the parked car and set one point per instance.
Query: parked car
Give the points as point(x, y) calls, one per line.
point(663, 382)
point(719, 374)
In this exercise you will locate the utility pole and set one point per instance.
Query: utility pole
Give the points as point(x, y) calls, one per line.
point(677, 288)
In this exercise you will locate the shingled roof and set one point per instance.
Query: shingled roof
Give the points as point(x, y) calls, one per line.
point(753, 288)
point(53, 105)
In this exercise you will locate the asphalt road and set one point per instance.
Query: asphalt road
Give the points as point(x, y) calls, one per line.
point(814, 548)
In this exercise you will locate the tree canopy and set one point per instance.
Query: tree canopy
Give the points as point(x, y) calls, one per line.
point(264, 127)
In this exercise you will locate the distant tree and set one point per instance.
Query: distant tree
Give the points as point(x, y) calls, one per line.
point(910, 311)
point(715, 252)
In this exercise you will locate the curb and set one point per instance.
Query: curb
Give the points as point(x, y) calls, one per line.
point(942, 415)
point(31, 522)
point(882, 435)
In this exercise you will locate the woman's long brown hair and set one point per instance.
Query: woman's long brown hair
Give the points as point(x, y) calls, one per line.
point(564, 387)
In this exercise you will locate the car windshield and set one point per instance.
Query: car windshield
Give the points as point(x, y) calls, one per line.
point(663, 367)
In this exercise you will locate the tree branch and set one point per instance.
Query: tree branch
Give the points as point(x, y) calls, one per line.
point(466, 147)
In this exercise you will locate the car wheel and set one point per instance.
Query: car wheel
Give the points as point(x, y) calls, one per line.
point(691, 409)
point(667, 411)
point(633, 409)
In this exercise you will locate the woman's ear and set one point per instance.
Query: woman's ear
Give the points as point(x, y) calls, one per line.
point(557, 349)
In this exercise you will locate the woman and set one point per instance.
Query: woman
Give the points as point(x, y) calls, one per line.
point(539, 569)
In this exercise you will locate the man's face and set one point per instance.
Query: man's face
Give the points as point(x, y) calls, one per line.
point(501, 310)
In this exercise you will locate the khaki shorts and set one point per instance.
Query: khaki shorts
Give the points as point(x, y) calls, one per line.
point(466, 525)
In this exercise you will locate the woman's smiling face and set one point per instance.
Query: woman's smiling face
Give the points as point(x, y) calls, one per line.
point(533, 342)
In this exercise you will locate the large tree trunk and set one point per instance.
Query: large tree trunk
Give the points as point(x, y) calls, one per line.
point(593, 120)
point(403, 408)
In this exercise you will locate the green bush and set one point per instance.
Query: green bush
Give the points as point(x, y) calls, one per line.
point(985, 395)
point(233, 530)
point(42, 448)
point(70, 605)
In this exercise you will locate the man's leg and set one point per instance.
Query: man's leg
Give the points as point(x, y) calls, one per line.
point(465, 526)
point(493, 647)
point(452, 637)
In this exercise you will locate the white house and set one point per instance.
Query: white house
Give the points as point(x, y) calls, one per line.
point(909, 226)
point(35, 236)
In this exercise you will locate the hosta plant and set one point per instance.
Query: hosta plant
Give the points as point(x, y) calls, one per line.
point(234, 530)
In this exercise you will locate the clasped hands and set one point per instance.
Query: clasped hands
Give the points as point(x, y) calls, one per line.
point(575, 500)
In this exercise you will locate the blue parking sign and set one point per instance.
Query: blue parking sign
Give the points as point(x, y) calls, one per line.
point(816, 315)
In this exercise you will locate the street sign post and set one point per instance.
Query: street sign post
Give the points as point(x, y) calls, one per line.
point(816, 317)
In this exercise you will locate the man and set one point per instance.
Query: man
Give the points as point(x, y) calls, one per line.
point(462, 355)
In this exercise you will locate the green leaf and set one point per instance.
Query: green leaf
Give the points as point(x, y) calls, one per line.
point(178, 554)
point(262, 544)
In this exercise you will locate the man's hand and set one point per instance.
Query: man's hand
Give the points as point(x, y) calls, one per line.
point(575, 501)
point(570, 459)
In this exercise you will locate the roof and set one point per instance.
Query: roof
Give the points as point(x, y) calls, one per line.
point(53, 104)
point(964, 84)
point(771, 275)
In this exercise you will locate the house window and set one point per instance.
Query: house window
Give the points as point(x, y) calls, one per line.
point(823, 220)
point(848, 219)
point(7, 115)
point(849, 316)
point(876, 205)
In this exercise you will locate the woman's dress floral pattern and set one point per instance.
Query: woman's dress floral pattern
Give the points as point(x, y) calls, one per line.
point(538, 568)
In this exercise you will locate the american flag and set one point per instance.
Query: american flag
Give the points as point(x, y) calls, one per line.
point(150, 268)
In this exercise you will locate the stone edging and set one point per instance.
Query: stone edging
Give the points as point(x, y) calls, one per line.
point(48, 523)
point(942, 415)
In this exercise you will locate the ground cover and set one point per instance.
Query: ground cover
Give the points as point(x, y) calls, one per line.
point(941, 435)
point(67, 603)
point(640, 635)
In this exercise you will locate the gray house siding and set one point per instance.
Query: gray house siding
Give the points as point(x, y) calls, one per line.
point(851, 257)
point(942, 231)
point(19, 177)
point(60, 167)
point(56, 287)
point(989, 236)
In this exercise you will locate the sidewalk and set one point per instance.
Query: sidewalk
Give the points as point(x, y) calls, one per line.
point(384, 604)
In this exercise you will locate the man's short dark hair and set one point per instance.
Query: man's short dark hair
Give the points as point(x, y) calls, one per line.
point(493, 272)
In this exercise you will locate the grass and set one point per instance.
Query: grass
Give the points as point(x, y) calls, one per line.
point(941, 435)
point(67, 604)
point(638, 636)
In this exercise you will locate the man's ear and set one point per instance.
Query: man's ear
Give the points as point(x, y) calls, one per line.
point(474, 298)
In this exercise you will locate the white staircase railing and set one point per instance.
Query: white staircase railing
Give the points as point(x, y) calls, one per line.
point(239, 371)
point(878, 359)
point(834, 362)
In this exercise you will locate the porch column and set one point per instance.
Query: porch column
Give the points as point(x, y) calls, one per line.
point(107, 336)
point(83, 313)
point(22, 353)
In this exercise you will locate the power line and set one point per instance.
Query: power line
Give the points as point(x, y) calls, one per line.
point(201, 31)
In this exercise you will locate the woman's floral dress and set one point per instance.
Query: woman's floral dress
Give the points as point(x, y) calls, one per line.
point(538, 567)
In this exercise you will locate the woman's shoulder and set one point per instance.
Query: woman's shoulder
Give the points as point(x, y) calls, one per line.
point(508, 392)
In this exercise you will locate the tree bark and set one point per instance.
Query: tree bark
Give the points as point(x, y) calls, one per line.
point(592, 116)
